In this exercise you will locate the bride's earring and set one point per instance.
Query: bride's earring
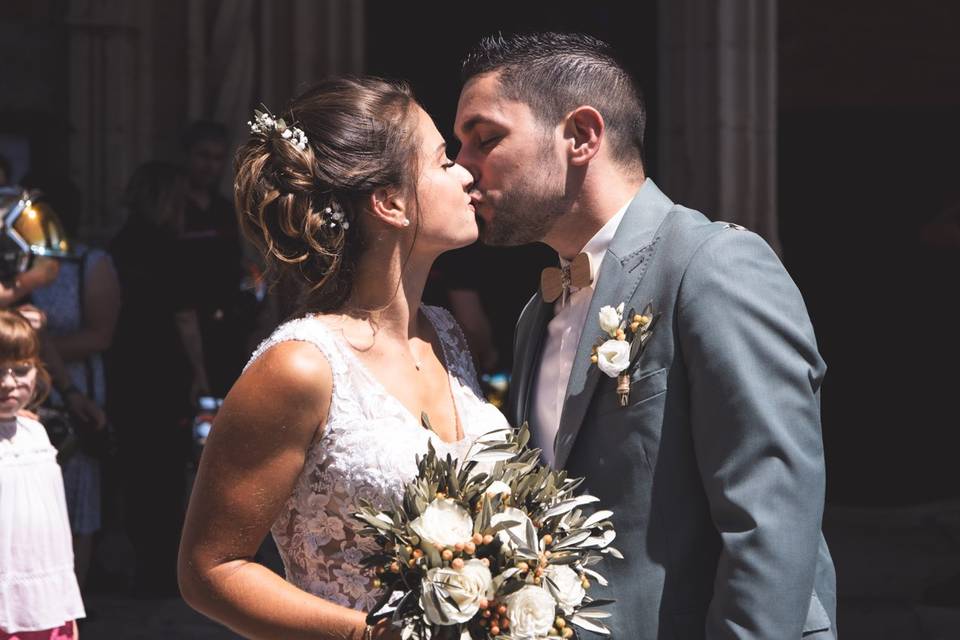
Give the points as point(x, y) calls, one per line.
point(406, 222)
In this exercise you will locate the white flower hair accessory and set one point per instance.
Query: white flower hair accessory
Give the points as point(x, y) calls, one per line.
point(334, 215)
point(263, 123)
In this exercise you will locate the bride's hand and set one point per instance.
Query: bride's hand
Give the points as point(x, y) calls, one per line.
point(383, 631)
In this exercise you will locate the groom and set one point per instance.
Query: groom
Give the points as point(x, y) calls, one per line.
point(714, 468)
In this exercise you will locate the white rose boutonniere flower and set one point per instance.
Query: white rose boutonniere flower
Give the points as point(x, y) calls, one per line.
point(443, 522)
point(613, 356)
point(610, 320)
point(532, 611)
point(465, 588)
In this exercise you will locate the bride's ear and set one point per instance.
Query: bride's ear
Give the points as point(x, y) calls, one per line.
point(389, 205)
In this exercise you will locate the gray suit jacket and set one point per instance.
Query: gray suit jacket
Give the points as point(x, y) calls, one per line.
point(715, 469)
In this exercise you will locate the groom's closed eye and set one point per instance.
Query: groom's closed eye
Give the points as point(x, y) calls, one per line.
point(486, 143)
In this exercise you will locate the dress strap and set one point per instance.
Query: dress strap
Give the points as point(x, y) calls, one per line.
point(455, 347)
point(306, 329)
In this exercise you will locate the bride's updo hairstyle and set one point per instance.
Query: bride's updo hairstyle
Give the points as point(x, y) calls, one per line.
point(301, 202)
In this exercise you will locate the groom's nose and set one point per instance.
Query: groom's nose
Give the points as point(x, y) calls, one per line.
point(466, 160)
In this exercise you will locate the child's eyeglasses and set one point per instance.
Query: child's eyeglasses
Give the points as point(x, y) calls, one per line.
point(19, 371)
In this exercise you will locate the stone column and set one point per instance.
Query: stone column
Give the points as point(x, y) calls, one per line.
point(267, 51)
point(141, 71)
point(109, 104)
point(718, 109)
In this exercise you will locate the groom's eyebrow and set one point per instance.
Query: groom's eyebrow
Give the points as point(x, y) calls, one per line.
point(471, 123)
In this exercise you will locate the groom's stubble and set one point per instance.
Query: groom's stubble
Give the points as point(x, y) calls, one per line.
point(526, 209)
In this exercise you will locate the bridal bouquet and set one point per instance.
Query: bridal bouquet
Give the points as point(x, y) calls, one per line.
point(495, 546)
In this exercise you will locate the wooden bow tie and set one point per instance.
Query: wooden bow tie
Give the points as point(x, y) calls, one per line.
point(555, 281)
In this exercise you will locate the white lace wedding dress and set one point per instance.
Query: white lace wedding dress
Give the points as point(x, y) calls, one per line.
point(366, 450)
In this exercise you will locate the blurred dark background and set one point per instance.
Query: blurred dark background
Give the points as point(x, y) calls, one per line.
point(831, 128)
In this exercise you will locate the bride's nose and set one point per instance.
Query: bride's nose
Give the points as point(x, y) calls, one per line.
point(466, 178)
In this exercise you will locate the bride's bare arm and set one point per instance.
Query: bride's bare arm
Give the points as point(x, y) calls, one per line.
point(248, 469)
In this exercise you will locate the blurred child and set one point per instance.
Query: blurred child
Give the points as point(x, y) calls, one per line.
point(39, 595)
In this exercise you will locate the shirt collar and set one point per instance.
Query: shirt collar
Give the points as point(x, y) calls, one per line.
point(597, 246)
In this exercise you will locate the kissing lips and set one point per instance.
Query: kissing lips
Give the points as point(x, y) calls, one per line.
point(482, 211)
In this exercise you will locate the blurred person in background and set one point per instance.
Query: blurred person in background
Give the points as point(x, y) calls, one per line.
point(81, 307)
point(214, 255)
point(155, 370)
point(16, 290)
point(6, 172)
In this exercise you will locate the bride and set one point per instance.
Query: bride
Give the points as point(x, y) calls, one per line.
point(352, 193)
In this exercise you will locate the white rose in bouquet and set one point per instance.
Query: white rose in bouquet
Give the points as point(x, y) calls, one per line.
point(438, 592)
point(566, 587)
point(466, 587)
point(532, 611)
point(613, 356)
point(519, 530)
point(498, 487)
point(610, 320)
point(443, 522)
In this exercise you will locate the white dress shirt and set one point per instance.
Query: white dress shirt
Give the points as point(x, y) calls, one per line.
point(560, 343)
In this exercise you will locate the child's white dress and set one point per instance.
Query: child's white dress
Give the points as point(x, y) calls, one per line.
point(38, 588)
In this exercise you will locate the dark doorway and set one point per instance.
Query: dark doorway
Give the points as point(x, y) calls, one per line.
point(869, 201)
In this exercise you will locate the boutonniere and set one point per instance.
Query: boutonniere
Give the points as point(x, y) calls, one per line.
point(618, 351)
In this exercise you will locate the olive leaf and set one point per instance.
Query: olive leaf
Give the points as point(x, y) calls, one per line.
point(589, 625)
point(597, 518)
point(572, 540)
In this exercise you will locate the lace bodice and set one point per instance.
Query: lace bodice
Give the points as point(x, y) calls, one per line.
point(367, 450)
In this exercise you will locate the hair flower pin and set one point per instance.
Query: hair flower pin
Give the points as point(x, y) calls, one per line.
point(264, 122)
point(618, 351)
point(334, 215)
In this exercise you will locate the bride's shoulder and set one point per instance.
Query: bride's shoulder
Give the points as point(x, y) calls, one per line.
point(279, 404)
point(309, 334)
point(292, 363)
point(290, 380)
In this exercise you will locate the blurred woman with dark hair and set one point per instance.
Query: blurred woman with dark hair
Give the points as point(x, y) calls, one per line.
point(81, 307)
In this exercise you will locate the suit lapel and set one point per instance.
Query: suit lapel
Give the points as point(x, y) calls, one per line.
point(531, 329)
point(622, 269)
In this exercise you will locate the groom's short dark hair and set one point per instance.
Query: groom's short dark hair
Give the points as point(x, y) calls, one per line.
point(553, 73)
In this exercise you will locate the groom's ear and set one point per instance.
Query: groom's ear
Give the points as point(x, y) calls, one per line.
point(389, 206)
point(583, 131)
